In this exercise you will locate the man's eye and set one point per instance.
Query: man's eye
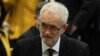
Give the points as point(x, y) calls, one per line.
point(43, 24)
point(53, 27)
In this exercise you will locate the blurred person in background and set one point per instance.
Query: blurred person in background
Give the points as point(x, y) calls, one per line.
point(87, 23)
point(5, 49)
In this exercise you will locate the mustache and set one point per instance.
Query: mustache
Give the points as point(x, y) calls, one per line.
point(49, 36)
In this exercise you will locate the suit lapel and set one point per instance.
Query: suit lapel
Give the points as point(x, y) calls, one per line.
point(63, 51)
point(38, 48)
point(63, 46)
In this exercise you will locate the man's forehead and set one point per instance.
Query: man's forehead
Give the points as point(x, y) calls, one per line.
point(49, 22)
point(49, 15)
point(50, 18)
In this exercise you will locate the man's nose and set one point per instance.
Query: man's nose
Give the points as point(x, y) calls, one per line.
point(47, 31)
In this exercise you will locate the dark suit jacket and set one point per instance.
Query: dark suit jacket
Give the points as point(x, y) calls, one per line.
point(68, 47)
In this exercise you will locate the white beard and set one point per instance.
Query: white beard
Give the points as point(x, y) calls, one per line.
point(49, 41)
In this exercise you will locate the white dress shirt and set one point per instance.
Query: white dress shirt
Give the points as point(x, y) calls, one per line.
point(55, 47)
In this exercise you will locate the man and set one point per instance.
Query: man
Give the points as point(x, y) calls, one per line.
point(51, 24)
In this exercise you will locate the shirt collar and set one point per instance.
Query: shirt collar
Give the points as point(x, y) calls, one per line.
point(55, 47)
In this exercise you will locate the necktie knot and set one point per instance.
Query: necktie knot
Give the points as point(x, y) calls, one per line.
point(50, 51)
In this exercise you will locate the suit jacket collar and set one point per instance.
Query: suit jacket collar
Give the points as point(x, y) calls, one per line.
point(63, 46)
point(37, 47)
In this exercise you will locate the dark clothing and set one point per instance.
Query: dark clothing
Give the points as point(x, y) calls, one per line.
point(88, 15)
point(68, 47)
point(88, 22)
point(33, 31)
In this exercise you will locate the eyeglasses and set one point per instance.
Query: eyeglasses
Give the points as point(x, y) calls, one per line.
point(49, 27)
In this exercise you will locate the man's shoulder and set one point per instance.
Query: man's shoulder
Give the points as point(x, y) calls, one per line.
point(74, 42)
point(74, 46)
point(32, 32)
point(24, 46)
point(27, 41)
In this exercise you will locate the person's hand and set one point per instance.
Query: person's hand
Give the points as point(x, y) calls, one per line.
point(7, 27)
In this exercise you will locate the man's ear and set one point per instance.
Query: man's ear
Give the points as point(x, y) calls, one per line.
point(65, 27)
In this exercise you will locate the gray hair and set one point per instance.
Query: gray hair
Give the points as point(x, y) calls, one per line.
point(58, 8)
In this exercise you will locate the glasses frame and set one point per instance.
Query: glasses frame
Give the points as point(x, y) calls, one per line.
point(51, 28)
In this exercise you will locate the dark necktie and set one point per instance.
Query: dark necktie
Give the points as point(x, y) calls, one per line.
point(50, 51)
